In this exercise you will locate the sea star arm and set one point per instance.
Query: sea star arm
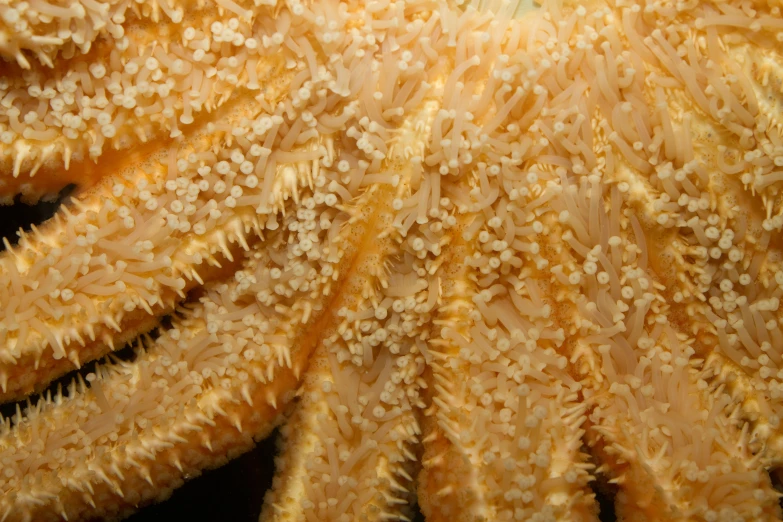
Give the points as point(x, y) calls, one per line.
point(503, 434)
point(126, 251)
point(712, 212)
point(349, 450)
point(197, 395)
point(76, 121)
point(66, 27)
point(690, 204)
point(326, 247)
point(589, 201)
point(649, 435)
point(643, 424)
point(194, 202)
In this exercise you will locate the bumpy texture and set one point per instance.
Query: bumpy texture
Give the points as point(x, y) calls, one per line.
point(470, 255)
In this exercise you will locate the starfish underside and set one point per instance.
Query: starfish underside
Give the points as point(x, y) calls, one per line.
point(470, 256)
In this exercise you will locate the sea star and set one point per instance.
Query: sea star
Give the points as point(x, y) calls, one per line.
point(466, 254)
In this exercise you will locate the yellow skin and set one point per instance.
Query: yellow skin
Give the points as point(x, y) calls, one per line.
point(468, 256)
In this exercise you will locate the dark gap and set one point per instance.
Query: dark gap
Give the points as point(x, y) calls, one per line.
point(19, 215)
point(605, 494)
point(776, 477)
point(233, 492)
point(165, 324)
point(125, 354)
point(417, 515)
